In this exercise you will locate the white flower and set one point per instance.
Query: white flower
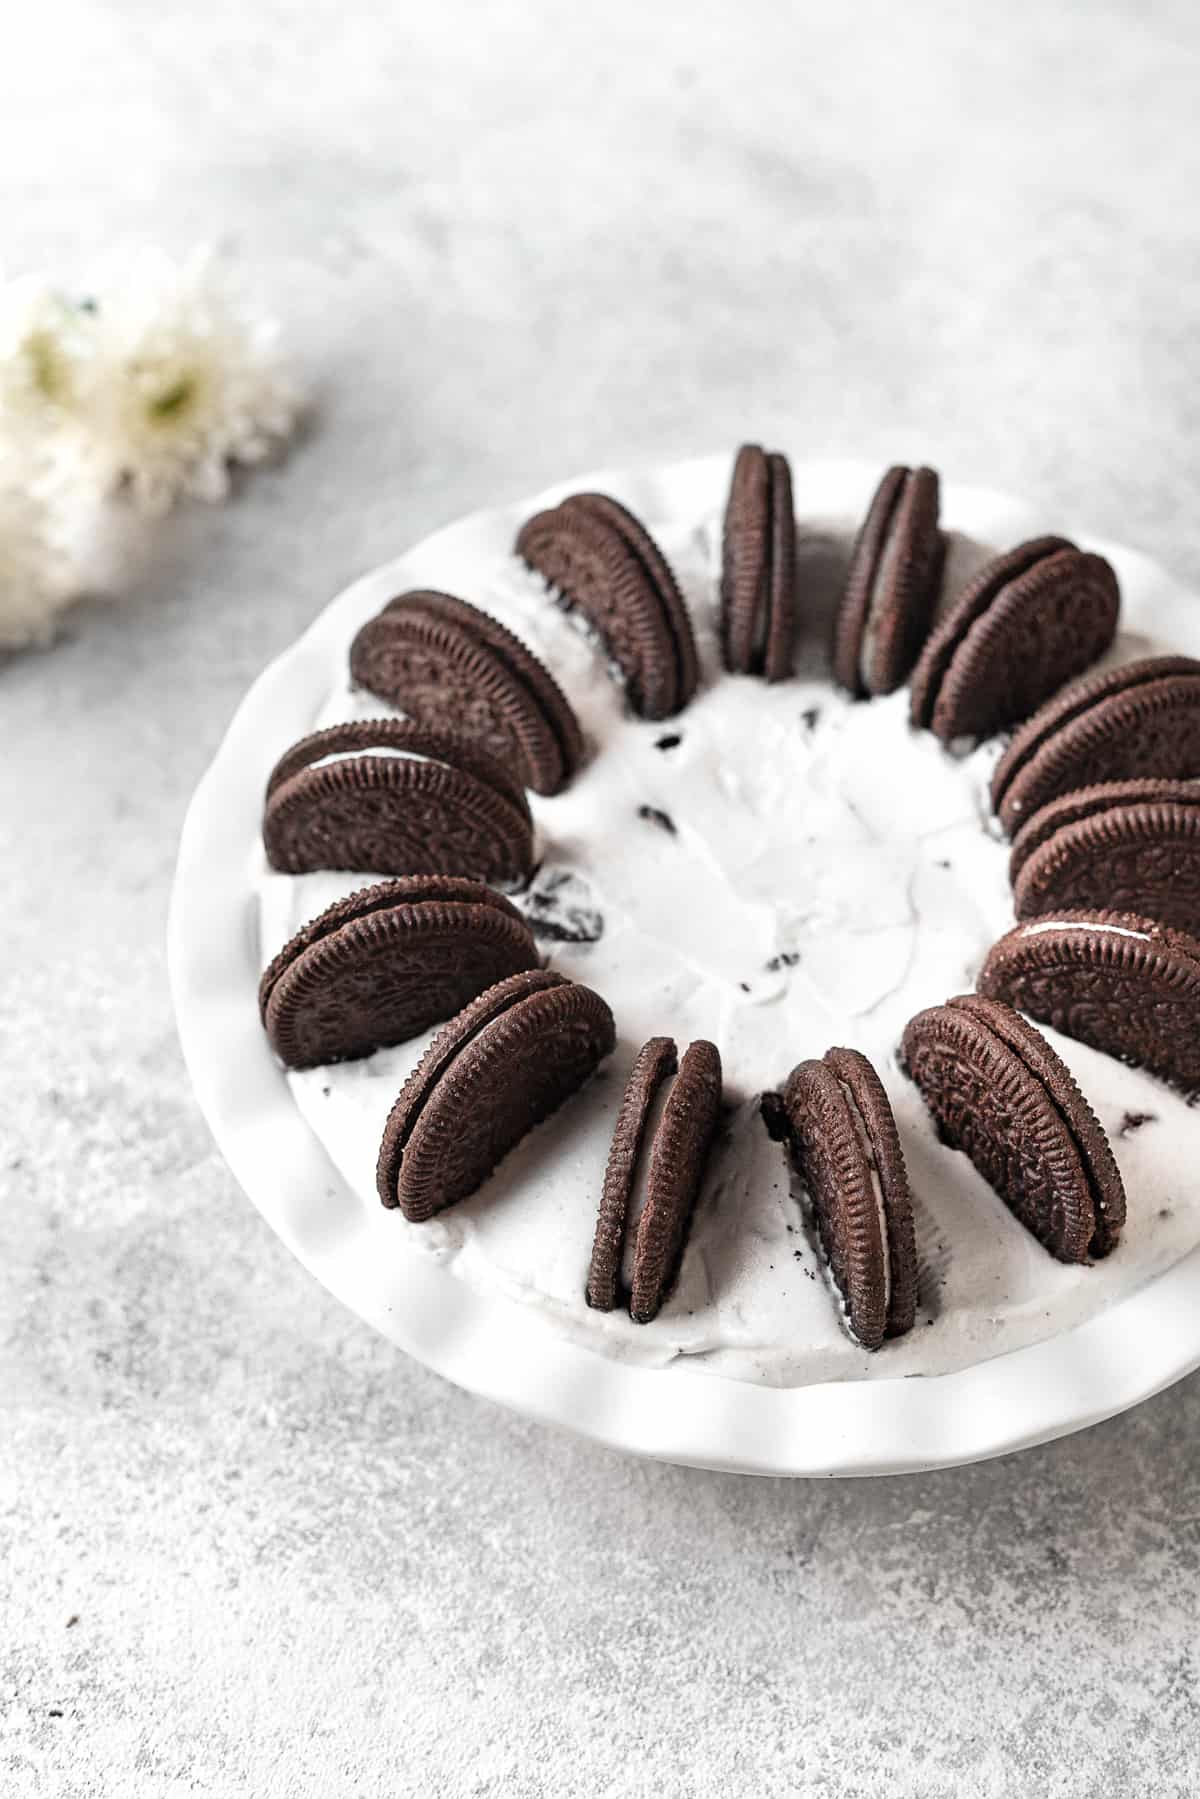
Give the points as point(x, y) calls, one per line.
point(45, 360)
point(155, 383)
point(186, 380)
point(36, 576)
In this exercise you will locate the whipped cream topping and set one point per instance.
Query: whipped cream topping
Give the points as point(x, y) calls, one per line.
point(790, 870)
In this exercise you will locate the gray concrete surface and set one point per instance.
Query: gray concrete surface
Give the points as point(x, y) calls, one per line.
point(248, 1549)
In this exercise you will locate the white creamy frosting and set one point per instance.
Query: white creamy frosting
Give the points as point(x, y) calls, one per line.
point(830, 872)
point(1071, 924)
point(369, 749)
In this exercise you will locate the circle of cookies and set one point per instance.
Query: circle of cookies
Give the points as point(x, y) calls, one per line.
point(1098, 786)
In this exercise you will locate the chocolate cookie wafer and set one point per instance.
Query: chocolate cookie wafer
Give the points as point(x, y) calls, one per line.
point(502, 1066)
point(385, 963)
point(1124, 984)
point(438, 658)
point(842, 1139)
point(998, 1092)
point(389, 796)
point(660, 1145)
point(892, 584)
point(1139, 721)
point(604, 562)
point(1087, 802)
point(1139, 856)
point(758, 566)
point(1031, 620)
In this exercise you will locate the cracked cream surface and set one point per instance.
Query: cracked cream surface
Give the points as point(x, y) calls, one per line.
point(799, 870)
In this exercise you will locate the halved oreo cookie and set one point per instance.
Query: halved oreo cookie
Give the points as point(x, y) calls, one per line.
point(1030, 620)
point(1141, 857)
point(389, 796)
point(998, 1092)
point(438, 659)
point(604, 562)
point(660, 1145)
point(505, 1063)
point(1087, 802)
point(842, 1138)
point(758, 566)
point(892, 584)
point(385, 963)
point(1135, 722)
point(1124, 984)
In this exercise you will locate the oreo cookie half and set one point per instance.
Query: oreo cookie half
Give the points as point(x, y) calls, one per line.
point(437, 658)
point(385, 963)
point(842, 1139)
point(1139, 721)
point(505, 1063)
point(998, 1092)
point(388, 796)
point(1029, 621)
point(604, 562)
point(660, 1145)
point(1124, 984)
point(1087, 802)
point(892, 584)
point(758, 566)
point(1140, 856)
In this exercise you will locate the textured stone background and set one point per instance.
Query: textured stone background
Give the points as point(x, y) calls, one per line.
point(249, 1550)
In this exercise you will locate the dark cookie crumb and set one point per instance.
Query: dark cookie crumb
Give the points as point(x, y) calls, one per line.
point(654, 816)
point(579, 927)
point(745, 986)
point(72, 1620)
point(1164, 1211)
point(557, 908)
point(943, 863)
point(1133, 1121)
point(787, 958)
point(810, 715)
point(670, 740)
point(54, 1712)
point(774, 1116)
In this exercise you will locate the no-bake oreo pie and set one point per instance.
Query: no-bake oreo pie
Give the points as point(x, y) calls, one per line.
point(631, 801)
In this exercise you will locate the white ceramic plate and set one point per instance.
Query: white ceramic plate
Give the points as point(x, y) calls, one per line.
point(493, 1345)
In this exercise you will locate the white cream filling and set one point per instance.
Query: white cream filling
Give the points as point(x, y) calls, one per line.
point(1069, 924)
point(369, 749)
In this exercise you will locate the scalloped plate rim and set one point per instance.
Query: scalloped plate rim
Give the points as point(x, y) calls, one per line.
point(491, 1345)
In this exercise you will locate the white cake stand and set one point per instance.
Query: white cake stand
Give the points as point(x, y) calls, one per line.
point(494, 1346)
